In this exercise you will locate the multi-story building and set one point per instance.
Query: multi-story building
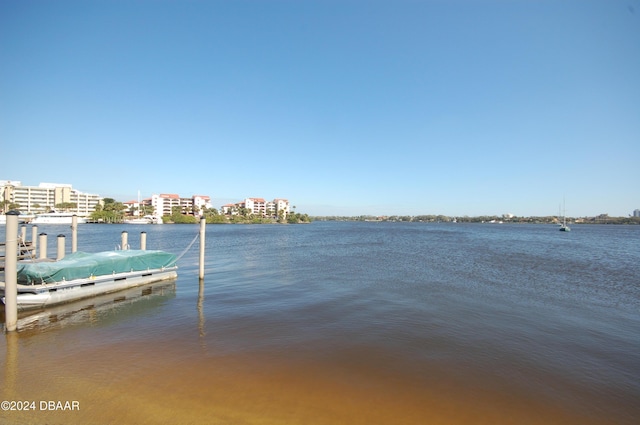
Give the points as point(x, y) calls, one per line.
point(48, 196)
point(259, 207)
point(164, 204)
point(281, 205)
point(137, 208)
point(636, 213)
point(200, 203)
point(256, 206)
point(186, 206)
point(228, 209)
point(133, 207)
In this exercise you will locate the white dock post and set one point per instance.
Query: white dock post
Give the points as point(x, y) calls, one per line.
point(143, 241)
point(61, 243)
point(203, 225)
point(124, 237)
point(23, 234)
point(34, 238)
point(11, 272)
point(43, 245)
point(74, 233)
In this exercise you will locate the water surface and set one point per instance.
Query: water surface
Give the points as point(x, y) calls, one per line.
point(338, 322)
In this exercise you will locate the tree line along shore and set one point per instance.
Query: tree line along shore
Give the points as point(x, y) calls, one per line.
point(116, 212)
point(600, 219)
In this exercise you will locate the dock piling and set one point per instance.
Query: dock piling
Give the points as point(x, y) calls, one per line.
point(43, 245)
point(74, 233)
point(143, 241)
point(34, 238)
point(124, 240)
point(61, 247)
point(203, 225)
point(11, 272)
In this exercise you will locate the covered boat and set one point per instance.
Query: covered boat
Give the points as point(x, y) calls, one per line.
point(81, 275)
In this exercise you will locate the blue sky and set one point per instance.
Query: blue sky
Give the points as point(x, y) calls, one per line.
point(343, 107)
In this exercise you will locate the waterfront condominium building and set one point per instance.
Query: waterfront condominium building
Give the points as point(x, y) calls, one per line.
point(259, 207)
point(200, 203)
point(48, 196)
point(164, 204)
point(281, 205)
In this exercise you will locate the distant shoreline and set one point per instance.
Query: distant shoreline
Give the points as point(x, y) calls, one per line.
point(601, 219)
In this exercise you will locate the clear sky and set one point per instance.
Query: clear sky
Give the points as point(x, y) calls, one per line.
point(344, 107)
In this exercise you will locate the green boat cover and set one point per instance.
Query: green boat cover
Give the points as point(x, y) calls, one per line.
point(81, 265)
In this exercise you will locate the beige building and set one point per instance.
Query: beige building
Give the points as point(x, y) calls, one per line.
point(47, 197)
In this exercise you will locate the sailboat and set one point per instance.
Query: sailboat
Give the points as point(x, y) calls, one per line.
point(563, 226)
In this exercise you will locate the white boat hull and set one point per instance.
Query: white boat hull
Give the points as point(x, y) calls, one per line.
point(59, 218)
point(22, 218)
point(49, 294)
point(147, 219)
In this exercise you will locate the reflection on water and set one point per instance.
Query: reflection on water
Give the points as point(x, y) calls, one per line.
point(201, 317)
point(10, 367)
point(119, 305)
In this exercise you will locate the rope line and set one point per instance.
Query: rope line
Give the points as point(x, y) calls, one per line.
point(188, 247)
point(22, 246)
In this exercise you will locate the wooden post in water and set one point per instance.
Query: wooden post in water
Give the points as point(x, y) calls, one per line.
point(11, 272)
point(203, 225)
point(23, 235)
point(143, 241)
point(74, 233)
point(43, 245)
point(61, 244)
point(124, 240)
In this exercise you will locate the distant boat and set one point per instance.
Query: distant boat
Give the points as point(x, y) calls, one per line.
point(54, 217)
point(22, 218)
point(81, 275)
point(147, 219)
point(563, 226)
